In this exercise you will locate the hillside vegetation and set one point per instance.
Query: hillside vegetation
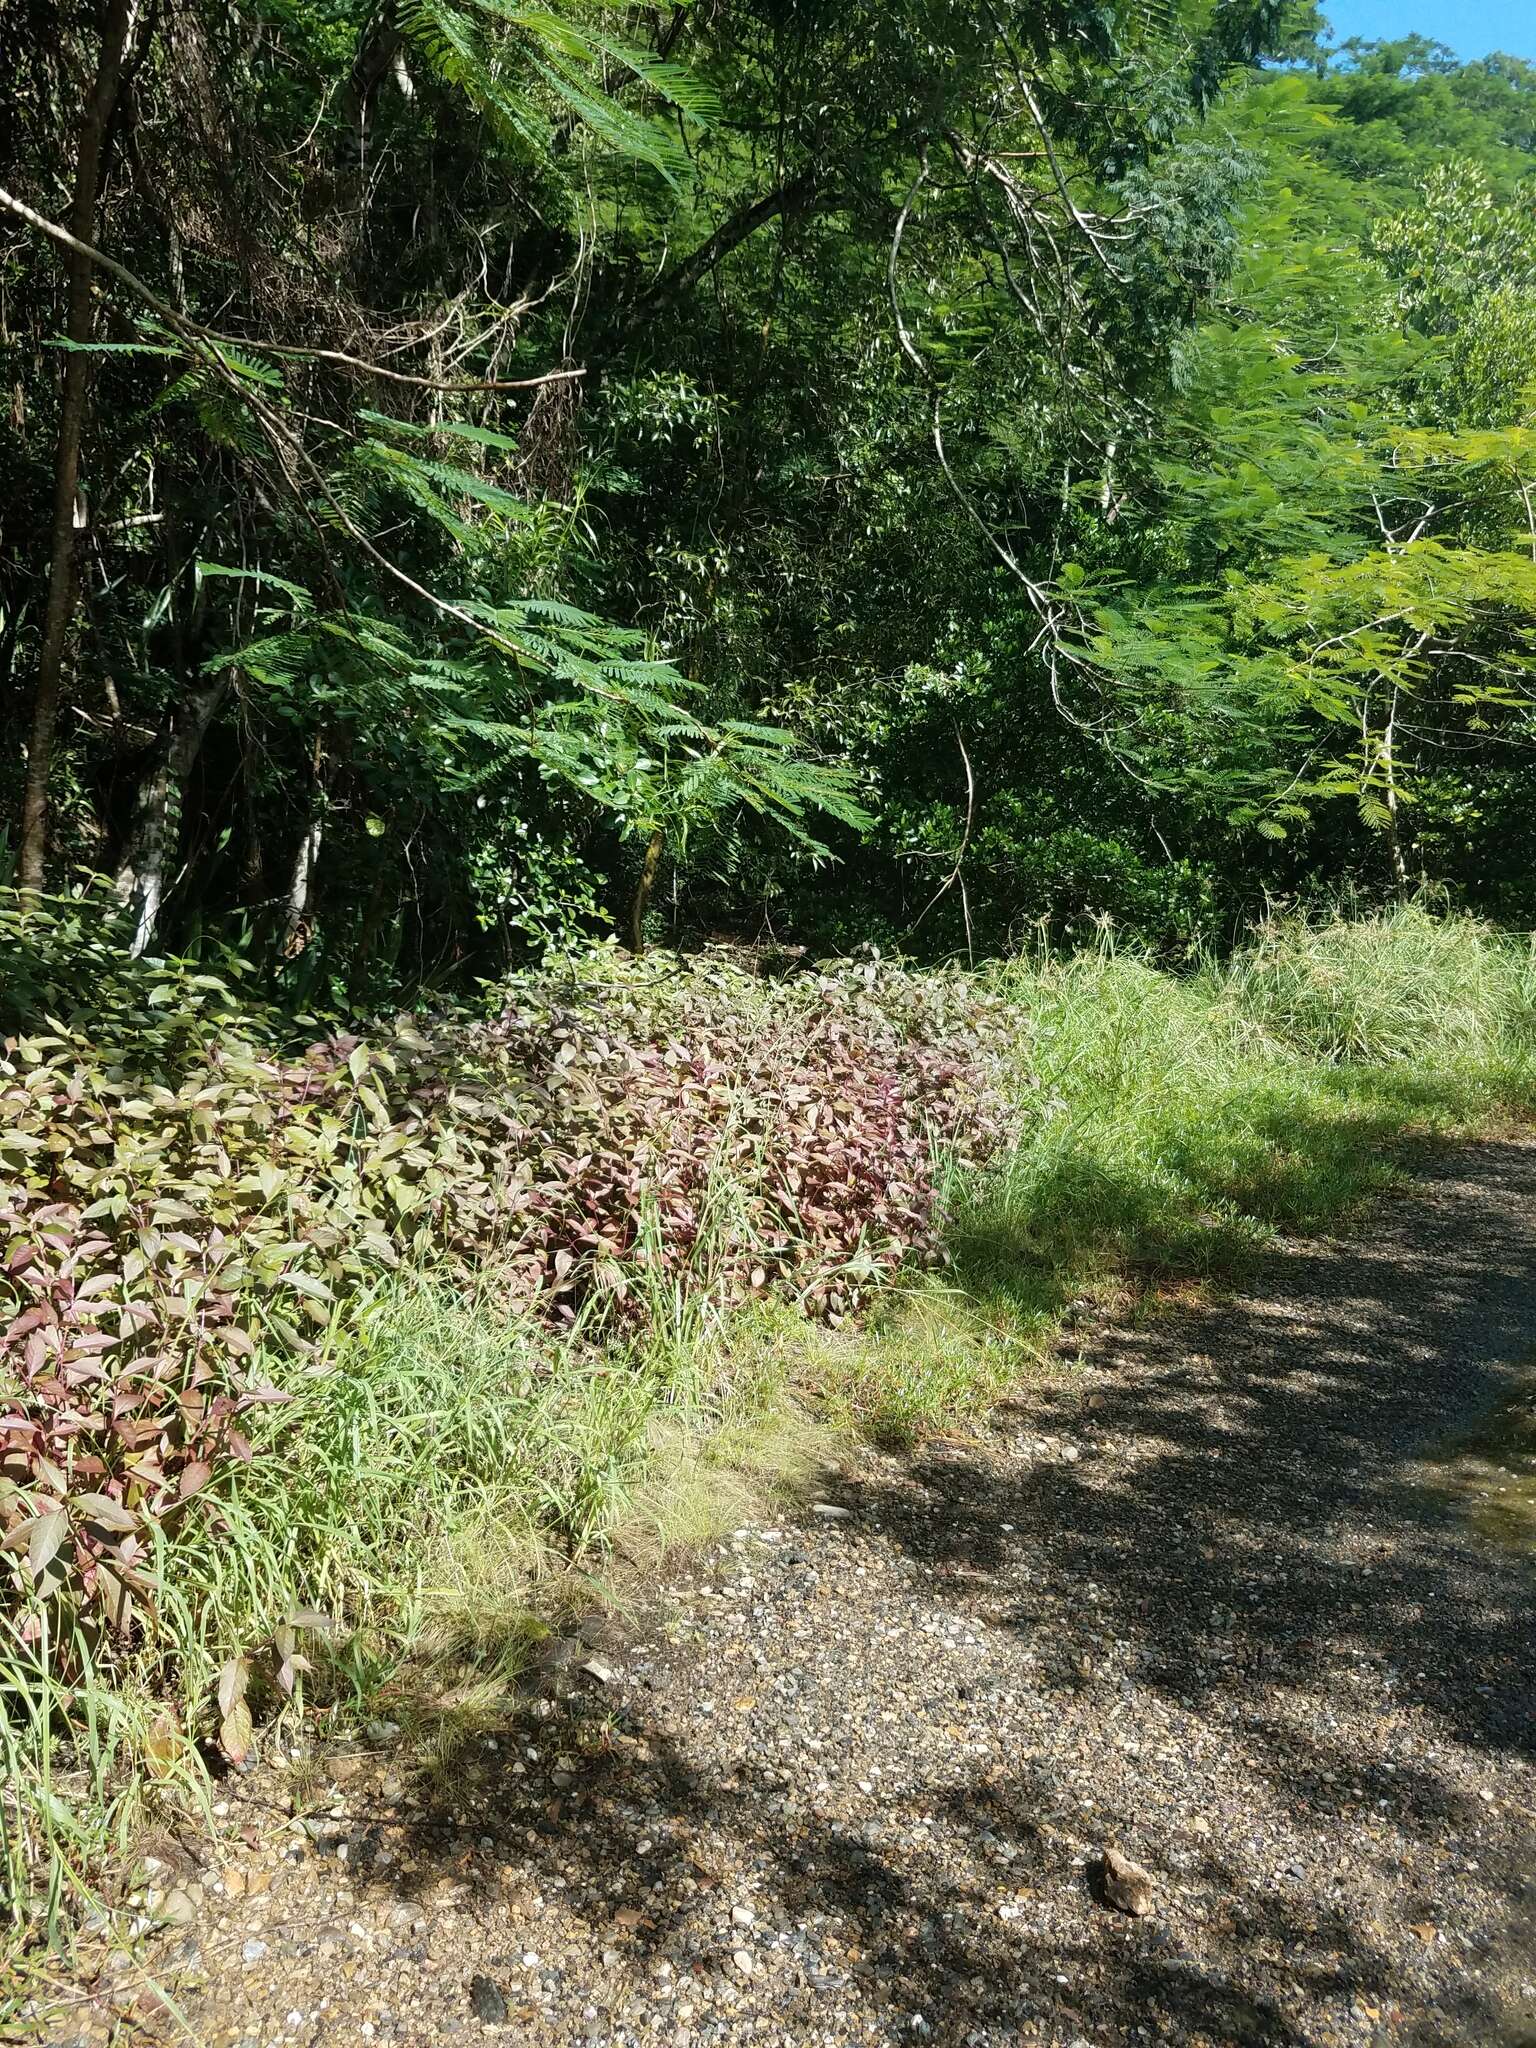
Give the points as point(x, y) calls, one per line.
point(708, 716)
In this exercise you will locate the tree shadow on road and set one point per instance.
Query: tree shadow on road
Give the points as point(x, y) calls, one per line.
point(1258, 1597)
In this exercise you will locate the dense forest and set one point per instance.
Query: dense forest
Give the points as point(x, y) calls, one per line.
point(481, 475)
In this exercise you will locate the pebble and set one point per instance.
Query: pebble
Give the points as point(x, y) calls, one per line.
point(907, 1731)
point(486, 2001)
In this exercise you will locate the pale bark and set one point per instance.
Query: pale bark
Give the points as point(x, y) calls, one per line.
point(141, 874)
point(301, 886)
point(1394, 837)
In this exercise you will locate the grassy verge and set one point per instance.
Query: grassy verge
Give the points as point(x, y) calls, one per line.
point(1168, 1129)
point(447, 1476)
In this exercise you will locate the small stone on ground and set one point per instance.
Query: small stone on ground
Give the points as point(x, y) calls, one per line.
point(852, 1781)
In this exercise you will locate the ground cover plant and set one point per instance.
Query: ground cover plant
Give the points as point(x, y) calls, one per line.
point(282, 1439)
point(193, 1203)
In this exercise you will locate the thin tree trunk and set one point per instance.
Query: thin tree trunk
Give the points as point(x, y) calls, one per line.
point(306, 861)
point(796, 195)
point(59, 611)
point(253, 861)
point(1394, 838)
point(157, 813)
point(301, 888)
point(641, 901)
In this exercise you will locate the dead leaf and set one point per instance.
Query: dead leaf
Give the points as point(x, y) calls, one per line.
point(236, 1733)
point(162, 1743)
point(233, 1679)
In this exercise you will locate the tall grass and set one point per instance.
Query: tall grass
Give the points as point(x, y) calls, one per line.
point(1167, 1128)
point(1182, 1121)
point(1408, 989)
point(445, 1475)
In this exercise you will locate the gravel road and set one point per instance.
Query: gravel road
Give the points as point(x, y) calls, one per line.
point(1203, 1597)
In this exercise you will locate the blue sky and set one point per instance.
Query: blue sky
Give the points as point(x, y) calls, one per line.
point(1471, 30)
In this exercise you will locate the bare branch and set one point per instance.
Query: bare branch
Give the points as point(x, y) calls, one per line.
point(183, 324)
point(956, 875)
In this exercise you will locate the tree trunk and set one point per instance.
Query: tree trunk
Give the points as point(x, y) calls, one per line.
point(1400, 880)
point(297, 925)
point(301, 886)
point(157, 812)
point(59, 611)
point(641, 901)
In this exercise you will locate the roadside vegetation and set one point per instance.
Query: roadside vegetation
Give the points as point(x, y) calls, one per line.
point(560, 569)
point(269, 1472)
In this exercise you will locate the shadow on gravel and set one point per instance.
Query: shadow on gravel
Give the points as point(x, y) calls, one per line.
point(1202, 1204)
point(1264, 1555)
point(1277, 1540)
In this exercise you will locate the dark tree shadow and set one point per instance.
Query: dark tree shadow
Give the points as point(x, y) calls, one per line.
point(1310, 1645)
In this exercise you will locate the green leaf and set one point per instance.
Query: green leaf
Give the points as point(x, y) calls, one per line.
point(112, 348)
point(44, 1536)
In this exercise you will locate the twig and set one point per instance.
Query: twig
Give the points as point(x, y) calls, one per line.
point(955, 876)
point(182, 323)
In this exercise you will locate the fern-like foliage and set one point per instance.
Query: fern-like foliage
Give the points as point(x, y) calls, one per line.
point(526, 67)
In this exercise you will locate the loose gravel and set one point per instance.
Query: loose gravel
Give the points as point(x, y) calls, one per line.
point(1202, 1598)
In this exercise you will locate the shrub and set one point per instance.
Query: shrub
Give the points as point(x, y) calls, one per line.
point(180, 1193)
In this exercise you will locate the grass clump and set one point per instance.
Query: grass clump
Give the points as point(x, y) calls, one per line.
point(1167, 1128)
point(1184, 1121)
point(1408, 989)
point(431, 1488)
